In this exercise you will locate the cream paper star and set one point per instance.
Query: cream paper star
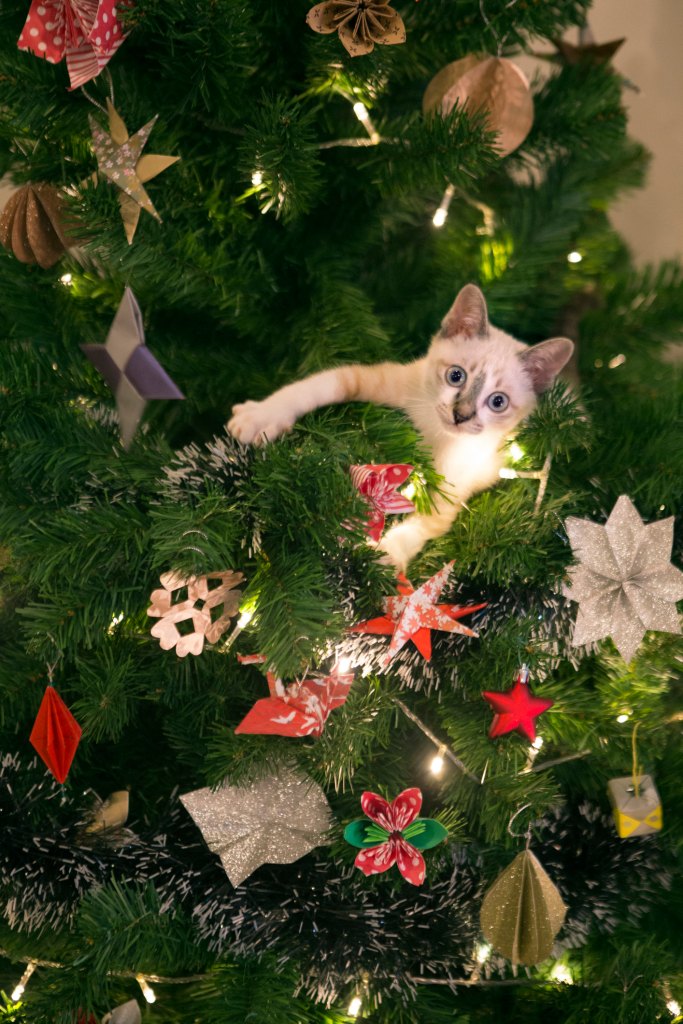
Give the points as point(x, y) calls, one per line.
point(625, 583)
point(275, 820)
point(120, 159)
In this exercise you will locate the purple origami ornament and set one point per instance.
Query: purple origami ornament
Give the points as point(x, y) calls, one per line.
point(129, 368)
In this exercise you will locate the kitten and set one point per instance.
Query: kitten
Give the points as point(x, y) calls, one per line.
point(474, 386)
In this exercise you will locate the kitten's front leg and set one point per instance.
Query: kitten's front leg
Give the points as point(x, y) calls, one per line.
point(405, 540)
point(257, 422)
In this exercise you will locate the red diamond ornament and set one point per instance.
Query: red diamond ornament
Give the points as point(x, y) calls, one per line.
point(55, 734)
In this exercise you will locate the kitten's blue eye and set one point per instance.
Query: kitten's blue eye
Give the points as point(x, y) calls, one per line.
point(455, 376)
point(498, 401)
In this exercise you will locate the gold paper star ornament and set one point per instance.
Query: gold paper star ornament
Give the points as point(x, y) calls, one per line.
point(120, 160)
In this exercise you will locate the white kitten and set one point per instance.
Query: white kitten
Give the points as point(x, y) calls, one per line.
point(474, 386)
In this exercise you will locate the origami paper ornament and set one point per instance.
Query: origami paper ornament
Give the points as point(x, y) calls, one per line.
point(395, 836)
point(32, 225)
point(275, 820)
point(378, 485)
point(587, 52)
point(126, 1013)
point(413, 615)
point(129, 368)
point(624, 583)
point(86, 32)
point(210, 604)
point(493, 85)
point(299, 709)
point(111, 813)
point(119, 158)
point(516, 710)
point(359, 23)
point(523, 911)
point(636, 805)
point(55, 734)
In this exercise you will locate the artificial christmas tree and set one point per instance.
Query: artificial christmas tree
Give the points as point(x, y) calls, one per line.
point(316, 216)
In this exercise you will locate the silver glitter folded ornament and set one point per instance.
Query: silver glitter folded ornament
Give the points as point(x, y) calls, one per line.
point(275, 820)
point(126, 1013)
point(624, 583)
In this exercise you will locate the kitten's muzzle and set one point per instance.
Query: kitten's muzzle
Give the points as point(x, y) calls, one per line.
point(458, 417)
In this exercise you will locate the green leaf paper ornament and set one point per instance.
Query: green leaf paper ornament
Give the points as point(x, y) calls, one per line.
point(523, 911)
point(423, 834)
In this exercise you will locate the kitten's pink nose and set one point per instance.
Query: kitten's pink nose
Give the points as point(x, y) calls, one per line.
point(458, 418)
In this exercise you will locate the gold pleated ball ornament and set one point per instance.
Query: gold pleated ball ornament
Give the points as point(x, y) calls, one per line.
point(32, 225)
point(523, 911)
point(492, 84)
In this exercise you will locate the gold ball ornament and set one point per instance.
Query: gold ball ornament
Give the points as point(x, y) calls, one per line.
point(492, 84)
point(32, 225)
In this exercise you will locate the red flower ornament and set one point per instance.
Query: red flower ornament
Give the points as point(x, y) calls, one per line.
point(379, 486)
point(395, 836)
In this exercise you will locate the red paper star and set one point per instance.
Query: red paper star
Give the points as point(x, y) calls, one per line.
point(413, 615)
point(516, 709)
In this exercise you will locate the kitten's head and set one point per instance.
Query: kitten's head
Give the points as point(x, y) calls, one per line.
point(482, 378)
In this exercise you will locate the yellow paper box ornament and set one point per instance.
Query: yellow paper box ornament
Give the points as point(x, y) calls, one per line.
point(636, 805)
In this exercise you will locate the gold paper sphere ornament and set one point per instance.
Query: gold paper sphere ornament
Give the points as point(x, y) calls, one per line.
point(523, 911)
point(32, 225)
point(494, 85)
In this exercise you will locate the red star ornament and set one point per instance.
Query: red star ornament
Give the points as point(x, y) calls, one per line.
point(414, 614)
point(516, 710)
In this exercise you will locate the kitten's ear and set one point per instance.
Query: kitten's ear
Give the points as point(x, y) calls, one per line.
point(467, 315)
point(544, 361)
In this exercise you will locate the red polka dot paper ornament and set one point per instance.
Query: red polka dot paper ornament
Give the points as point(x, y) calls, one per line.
point(85, 32)
point(394, 835)
point(494, 85)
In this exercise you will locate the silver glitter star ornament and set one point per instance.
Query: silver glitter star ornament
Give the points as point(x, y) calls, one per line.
point(275, 820)
point(624, 583)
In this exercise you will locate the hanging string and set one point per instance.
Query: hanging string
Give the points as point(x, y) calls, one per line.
point(636, 768)
point(521, 835)
point(92, 100)
point(500, 43)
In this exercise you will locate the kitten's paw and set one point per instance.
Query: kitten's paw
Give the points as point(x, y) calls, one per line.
point(258, 422)
point(395, 550)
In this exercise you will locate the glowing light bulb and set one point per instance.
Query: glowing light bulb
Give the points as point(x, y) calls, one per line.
point(482, 952)
point(245, 618)
point(409, 491)
point(19, 989)
point(436, 765)
point(574, 257)
point(343, 665)
point(617, 361)
point(561, 973)
point(257, 178)
point(361, 111)
point(147, 990)
point(516, 452)
point(355, 1006)
point(66, 279)
point(538, 743)
point(507, 474)
point(673, 1007)
point(439, 218)
point(623, 717)
point(115, 619)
